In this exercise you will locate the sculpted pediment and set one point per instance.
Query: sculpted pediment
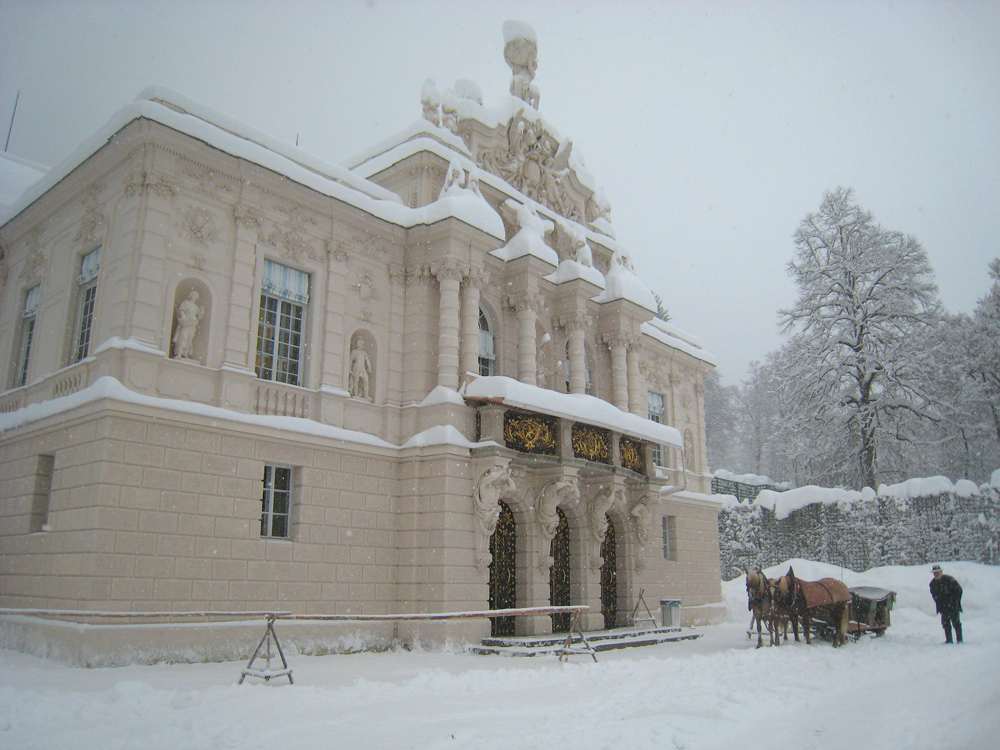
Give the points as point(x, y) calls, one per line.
point(513, 142)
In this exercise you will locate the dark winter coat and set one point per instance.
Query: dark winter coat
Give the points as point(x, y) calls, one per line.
point(947, 593)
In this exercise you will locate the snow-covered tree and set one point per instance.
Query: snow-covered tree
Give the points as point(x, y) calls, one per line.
point(983, 355)
point(721, 439)
point(865, 294)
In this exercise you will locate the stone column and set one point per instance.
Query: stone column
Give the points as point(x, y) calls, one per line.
point(574, 325)
point(636, 392)
point(449, 275)
point(527, 365)
point(469, 356)
point(618, 343)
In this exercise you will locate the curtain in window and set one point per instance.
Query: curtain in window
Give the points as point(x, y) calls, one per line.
point(90, 266)
point(31, 301)
point(282, 281)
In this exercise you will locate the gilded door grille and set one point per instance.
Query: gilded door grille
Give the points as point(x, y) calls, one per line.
point(559, 577)
point(609, 578)
point(503, 587)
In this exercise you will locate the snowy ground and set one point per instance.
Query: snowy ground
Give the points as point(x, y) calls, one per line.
point(905, 690)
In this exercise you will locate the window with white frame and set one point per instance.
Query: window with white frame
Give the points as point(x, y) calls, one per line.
point(276, 502)
point(655, 411)
point(86, 300)
point(669, 537)
point(487, 346)
point(280, 325)
point(27, 336)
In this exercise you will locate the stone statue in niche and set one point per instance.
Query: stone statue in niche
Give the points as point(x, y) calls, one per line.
point(189, 315)
point(361, 368)
point(642, 517)
point(496, 482)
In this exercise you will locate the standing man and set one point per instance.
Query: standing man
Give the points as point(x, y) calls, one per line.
point(947, 593)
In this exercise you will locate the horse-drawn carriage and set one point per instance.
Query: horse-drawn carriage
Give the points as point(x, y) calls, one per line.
point(825, 607)
point(867, 612)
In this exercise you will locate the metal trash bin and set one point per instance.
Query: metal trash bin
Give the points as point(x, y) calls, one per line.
point(670, 613)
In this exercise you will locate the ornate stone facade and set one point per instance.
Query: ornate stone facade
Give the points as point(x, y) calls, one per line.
point(271, 383)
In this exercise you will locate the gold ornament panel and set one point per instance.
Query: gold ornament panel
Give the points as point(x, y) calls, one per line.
point(592, 443)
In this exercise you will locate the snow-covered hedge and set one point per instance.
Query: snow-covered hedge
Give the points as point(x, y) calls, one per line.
point(912, 523)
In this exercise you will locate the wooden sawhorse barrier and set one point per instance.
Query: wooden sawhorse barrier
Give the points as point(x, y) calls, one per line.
point(267, 674)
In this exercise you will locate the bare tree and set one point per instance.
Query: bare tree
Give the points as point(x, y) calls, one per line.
point(865, 293)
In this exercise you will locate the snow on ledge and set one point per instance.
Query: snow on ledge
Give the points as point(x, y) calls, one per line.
point(107, 387)
point(576, 406)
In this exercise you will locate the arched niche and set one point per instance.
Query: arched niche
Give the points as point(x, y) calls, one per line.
point(190, 321)
point(362, 358)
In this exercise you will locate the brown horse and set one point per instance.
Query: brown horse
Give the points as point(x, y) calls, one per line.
point(760, 604)
point(793, 597)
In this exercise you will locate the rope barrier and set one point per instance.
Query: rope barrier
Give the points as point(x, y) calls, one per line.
point(267, 674)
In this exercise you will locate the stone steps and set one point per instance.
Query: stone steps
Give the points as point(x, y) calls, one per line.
point(600, 640)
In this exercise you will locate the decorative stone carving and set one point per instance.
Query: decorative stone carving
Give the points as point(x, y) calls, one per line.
point(208, 181)
point(430, 99)
point(141, 182)
point(597, 518)
point(361, 369)
point(365, 288)
point(93, 217)
point(689, 458)
point(521, 53)
point(562, 491)
point(520, 301)
point(534, 162)
point(611, 339)
point(189, 315)
point(495, 482)
point(248, 217)
point(34, 262)
point(449, 268)
point(574, 321)
point(642, 517)
point(197, 224)
point(337, 250)
point(571, 244)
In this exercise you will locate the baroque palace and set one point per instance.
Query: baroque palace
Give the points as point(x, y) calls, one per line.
point(239, 379)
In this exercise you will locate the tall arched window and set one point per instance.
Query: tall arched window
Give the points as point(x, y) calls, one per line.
point(487, 346)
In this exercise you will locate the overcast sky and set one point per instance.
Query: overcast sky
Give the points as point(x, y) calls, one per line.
point(713, 127)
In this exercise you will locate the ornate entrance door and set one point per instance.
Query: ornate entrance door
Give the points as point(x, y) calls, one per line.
point(609, 578)
point(559, 576)
point(503, 589)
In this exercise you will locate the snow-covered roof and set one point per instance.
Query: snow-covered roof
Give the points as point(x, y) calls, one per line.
point(180, 113)
point(576, 406)
point(16, 176)
point(674, 337)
